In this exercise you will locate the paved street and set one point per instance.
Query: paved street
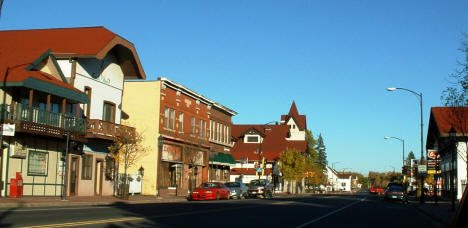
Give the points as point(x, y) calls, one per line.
point(360, 210)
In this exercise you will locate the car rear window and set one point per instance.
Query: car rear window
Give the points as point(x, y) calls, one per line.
point(232, 184)
point(395, 188)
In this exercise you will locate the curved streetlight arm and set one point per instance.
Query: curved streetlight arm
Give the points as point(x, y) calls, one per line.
point(422, 139)
point(403, 141)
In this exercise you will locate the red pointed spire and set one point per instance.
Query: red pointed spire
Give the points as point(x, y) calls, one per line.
point(293, 110)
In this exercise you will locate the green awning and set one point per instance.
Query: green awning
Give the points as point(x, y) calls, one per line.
point(223, 159)
point(46, 87)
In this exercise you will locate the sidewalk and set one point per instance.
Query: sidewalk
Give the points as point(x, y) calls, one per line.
point(440, 212)
point(83, 201)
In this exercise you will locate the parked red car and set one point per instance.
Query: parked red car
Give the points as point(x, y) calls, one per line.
point(210, 191)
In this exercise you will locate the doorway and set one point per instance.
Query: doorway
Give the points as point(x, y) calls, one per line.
point(98, 178)
point(73, 175)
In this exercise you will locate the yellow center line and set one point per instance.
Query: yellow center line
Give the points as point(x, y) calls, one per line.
point(88, 222)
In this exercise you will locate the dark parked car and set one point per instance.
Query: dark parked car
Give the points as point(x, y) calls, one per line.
point(237, 190)
point(260, 188)
point(394, 191)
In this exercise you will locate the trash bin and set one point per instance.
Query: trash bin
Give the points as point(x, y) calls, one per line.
point(16, 186)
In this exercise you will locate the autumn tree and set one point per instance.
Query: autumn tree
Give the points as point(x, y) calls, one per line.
point(292, 165)
point(314, 170)
point(126, 149)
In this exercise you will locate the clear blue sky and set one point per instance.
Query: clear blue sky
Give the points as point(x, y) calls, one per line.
point(334, 58)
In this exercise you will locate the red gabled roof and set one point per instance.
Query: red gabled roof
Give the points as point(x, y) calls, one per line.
point(19, 74)
point(448, 117)
point(19, 47)
point(299, 119)
point(274, 142)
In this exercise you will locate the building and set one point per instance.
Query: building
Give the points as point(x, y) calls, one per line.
point(96, 62)
point(258, 146)
point(186, 134)
point(447, 136)
point(332, 179)
point(37, 116)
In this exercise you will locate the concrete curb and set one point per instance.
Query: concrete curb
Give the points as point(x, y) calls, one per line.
point(431, 216)
point(97, 203)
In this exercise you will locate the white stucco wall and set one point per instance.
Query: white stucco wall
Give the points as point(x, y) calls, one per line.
point(105, 78)
point(296, 134)
point(347, 183)
point(461, 167)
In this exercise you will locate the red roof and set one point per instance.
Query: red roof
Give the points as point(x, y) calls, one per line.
point(448, 117)
point(274, 142)
point(299, 119)
point(23, 47)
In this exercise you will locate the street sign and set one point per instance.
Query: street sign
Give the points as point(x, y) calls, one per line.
point(422, 168)
point(8, 129)
point(259, 169)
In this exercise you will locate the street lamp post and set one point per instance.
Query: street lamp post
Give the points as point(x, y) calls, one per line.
point(419, 95)
point(402, 160)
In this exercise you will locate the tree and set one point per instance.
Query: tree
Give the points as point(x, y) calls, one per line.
point(409, 157)
point(314, 170)
point(292, 165)
point(321, 154)
point(126, 150)
point(456, 97)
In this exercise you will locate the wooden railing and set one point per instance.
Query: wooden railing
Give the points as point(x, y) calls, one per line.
point(35, 120)
point(103, 129)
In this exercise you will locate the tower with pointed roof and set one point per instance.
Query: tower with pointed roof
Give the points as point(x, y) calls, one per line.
point(297, 123)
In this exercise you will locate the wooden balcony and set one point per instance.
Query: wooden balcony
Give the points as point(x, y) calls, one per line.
point(42, 122)
point(101, 129)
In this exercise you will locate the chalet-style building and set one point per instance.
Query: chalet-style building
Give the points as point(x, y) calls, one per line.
point(448, 136)
point(185, 133)
point(92, 60)
point(256, 145)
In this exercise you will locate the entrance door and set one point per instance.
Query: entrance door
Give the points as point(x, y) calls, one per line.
point(98, 178)
point(73, 176)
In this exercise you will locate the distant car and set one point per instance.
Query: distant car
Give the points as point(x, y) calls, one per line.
point(260, 188)
point(210, 191)
point(395, 191)
point(376, 190)
point(237, 190)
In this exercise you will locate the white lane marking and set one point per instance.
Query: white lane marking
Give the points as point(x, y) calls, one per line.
point(58, 209)
point(328, 214)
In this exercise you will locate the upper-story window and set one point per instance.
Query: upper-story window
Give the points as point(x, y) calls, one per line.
point(202, 128)
point(181, 122)
point(108, 112)
point(253, 139)
point(192, 125)
point(87, 107)
point(169, 115)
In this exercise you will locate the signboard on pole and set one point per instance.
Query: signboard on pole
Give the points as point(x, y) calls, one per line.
point(422, 168)
point(8, 129)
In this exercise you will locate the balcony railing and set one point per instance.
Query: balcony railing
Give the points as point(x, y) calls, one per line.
point(105, 130)
point(35, 120)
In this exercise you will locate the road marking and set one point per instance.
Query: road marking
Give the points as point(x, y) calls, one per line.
point(126, 219)
point(331, 213)
point(88, 222)
point(57, 209)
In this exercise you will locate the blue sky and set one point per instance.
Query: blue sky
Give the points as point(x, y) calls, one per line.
point(334, 58)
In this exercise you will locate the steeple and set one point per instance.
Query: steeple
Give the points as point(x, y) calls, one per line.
point(293, 110)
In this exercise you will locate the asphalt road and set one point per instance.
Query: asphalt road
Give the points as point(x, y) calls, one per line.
point(360, 210)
